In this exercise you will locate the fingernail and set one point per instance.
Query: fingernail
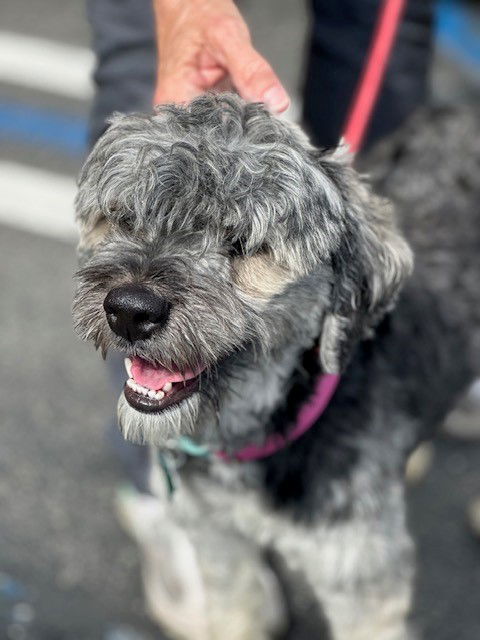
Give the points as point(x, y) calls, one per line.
point(276, 99)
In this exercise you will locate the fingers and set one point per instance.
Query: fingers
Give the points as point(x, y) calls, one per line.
point(251, 74)
point(186, 78)
point(208, 50)
point(255, 80)
point(175, 88)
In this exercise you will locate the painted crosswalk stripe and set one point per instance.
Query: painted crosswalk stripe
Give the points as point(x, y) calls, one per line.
point(36, 200)
point(45, 65)
point(42, 127)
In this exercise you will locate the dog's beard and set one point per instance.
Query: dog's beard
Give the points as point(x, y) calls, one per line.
point(158, 428)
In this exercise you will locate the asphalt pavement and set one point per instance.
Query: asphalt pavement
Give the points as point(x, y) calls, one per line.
point(67, 571)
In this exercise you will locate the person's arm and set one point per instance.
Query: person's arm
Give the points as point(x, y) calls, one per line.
point(203, 44)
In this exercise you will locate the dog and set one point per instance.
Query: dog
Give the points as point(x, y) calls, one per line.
point(234, 263)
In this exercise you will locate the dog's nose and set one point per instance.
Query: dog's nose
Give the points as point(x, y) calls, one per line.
point(134, 312)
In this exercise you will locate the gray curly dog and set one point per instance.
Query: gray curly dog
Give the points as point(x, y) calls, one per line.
point(233, 264)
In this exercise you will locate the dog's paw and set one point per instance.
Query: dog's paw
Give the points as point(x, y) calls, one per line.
point(202, 583)
point(173, 586)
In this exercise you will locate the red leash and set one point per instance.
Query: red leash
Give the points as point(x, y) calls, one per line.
point(373, 73)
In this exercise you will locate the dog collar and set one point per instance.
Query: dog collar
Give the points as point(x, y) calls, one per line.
point(308, 415)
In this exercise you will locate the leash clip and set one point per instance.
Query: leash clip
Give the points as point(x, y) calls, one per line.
point(174, 456)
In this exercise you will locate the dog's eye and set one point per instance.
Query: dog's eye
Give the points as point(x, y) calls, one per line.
point(125, 223)
point(236, 249)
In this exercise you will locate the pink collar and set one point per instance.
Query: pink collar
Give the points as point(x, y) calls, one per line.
point(307, 417)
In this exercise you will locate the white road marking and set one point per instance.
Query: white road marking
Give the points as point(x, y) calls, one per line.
point(49, 66)
point(36, 200)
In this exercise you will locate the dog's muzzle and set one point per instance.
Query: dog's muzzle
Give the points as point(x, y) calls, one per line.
point(134, 312)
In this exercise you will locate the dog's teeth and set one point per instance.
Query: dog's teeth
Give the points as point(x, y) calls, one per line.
point(128, 366)
point(167, 387)
point(150, 393)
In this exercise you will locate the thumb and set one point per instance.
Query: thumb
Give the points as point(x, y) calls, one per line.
point(253, 77)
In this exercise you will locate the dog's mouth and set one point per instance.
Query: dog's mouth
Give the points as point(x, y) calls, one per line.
point(152, 388)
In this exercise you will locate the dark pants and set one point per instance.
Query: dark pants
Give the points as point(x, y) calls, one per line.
point(124, 45)
point(124, 42)
point(340, 36)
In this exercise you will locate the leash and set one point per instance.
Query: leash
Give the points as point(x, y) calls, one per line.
point(355, 128)
point(325, 387)
point(368, 88)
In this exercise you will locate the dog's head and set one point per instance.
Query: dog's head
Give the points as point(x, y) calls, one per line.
point(213, 233)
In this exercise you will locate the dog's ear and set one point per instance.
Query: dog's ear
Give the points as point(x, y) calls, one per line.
point(369, 266)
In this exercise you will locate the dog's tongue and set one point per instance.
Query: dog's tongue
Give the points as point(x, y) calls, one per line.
point(154, 377)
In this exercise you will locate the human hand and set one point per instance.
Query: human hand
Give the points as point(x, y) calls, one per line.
point(205, 44)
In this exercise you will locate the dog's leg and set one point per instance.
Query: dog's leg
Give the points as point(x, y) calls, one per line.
point(202, 581)
point(360, 571)
point(346, 578)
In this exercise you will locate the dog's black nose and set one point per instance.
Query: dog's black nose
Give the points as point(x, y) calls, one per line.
point(134, 312)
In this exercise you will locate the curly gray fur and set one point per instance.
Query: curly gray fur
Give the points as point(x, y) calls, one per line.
point(185, 195)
